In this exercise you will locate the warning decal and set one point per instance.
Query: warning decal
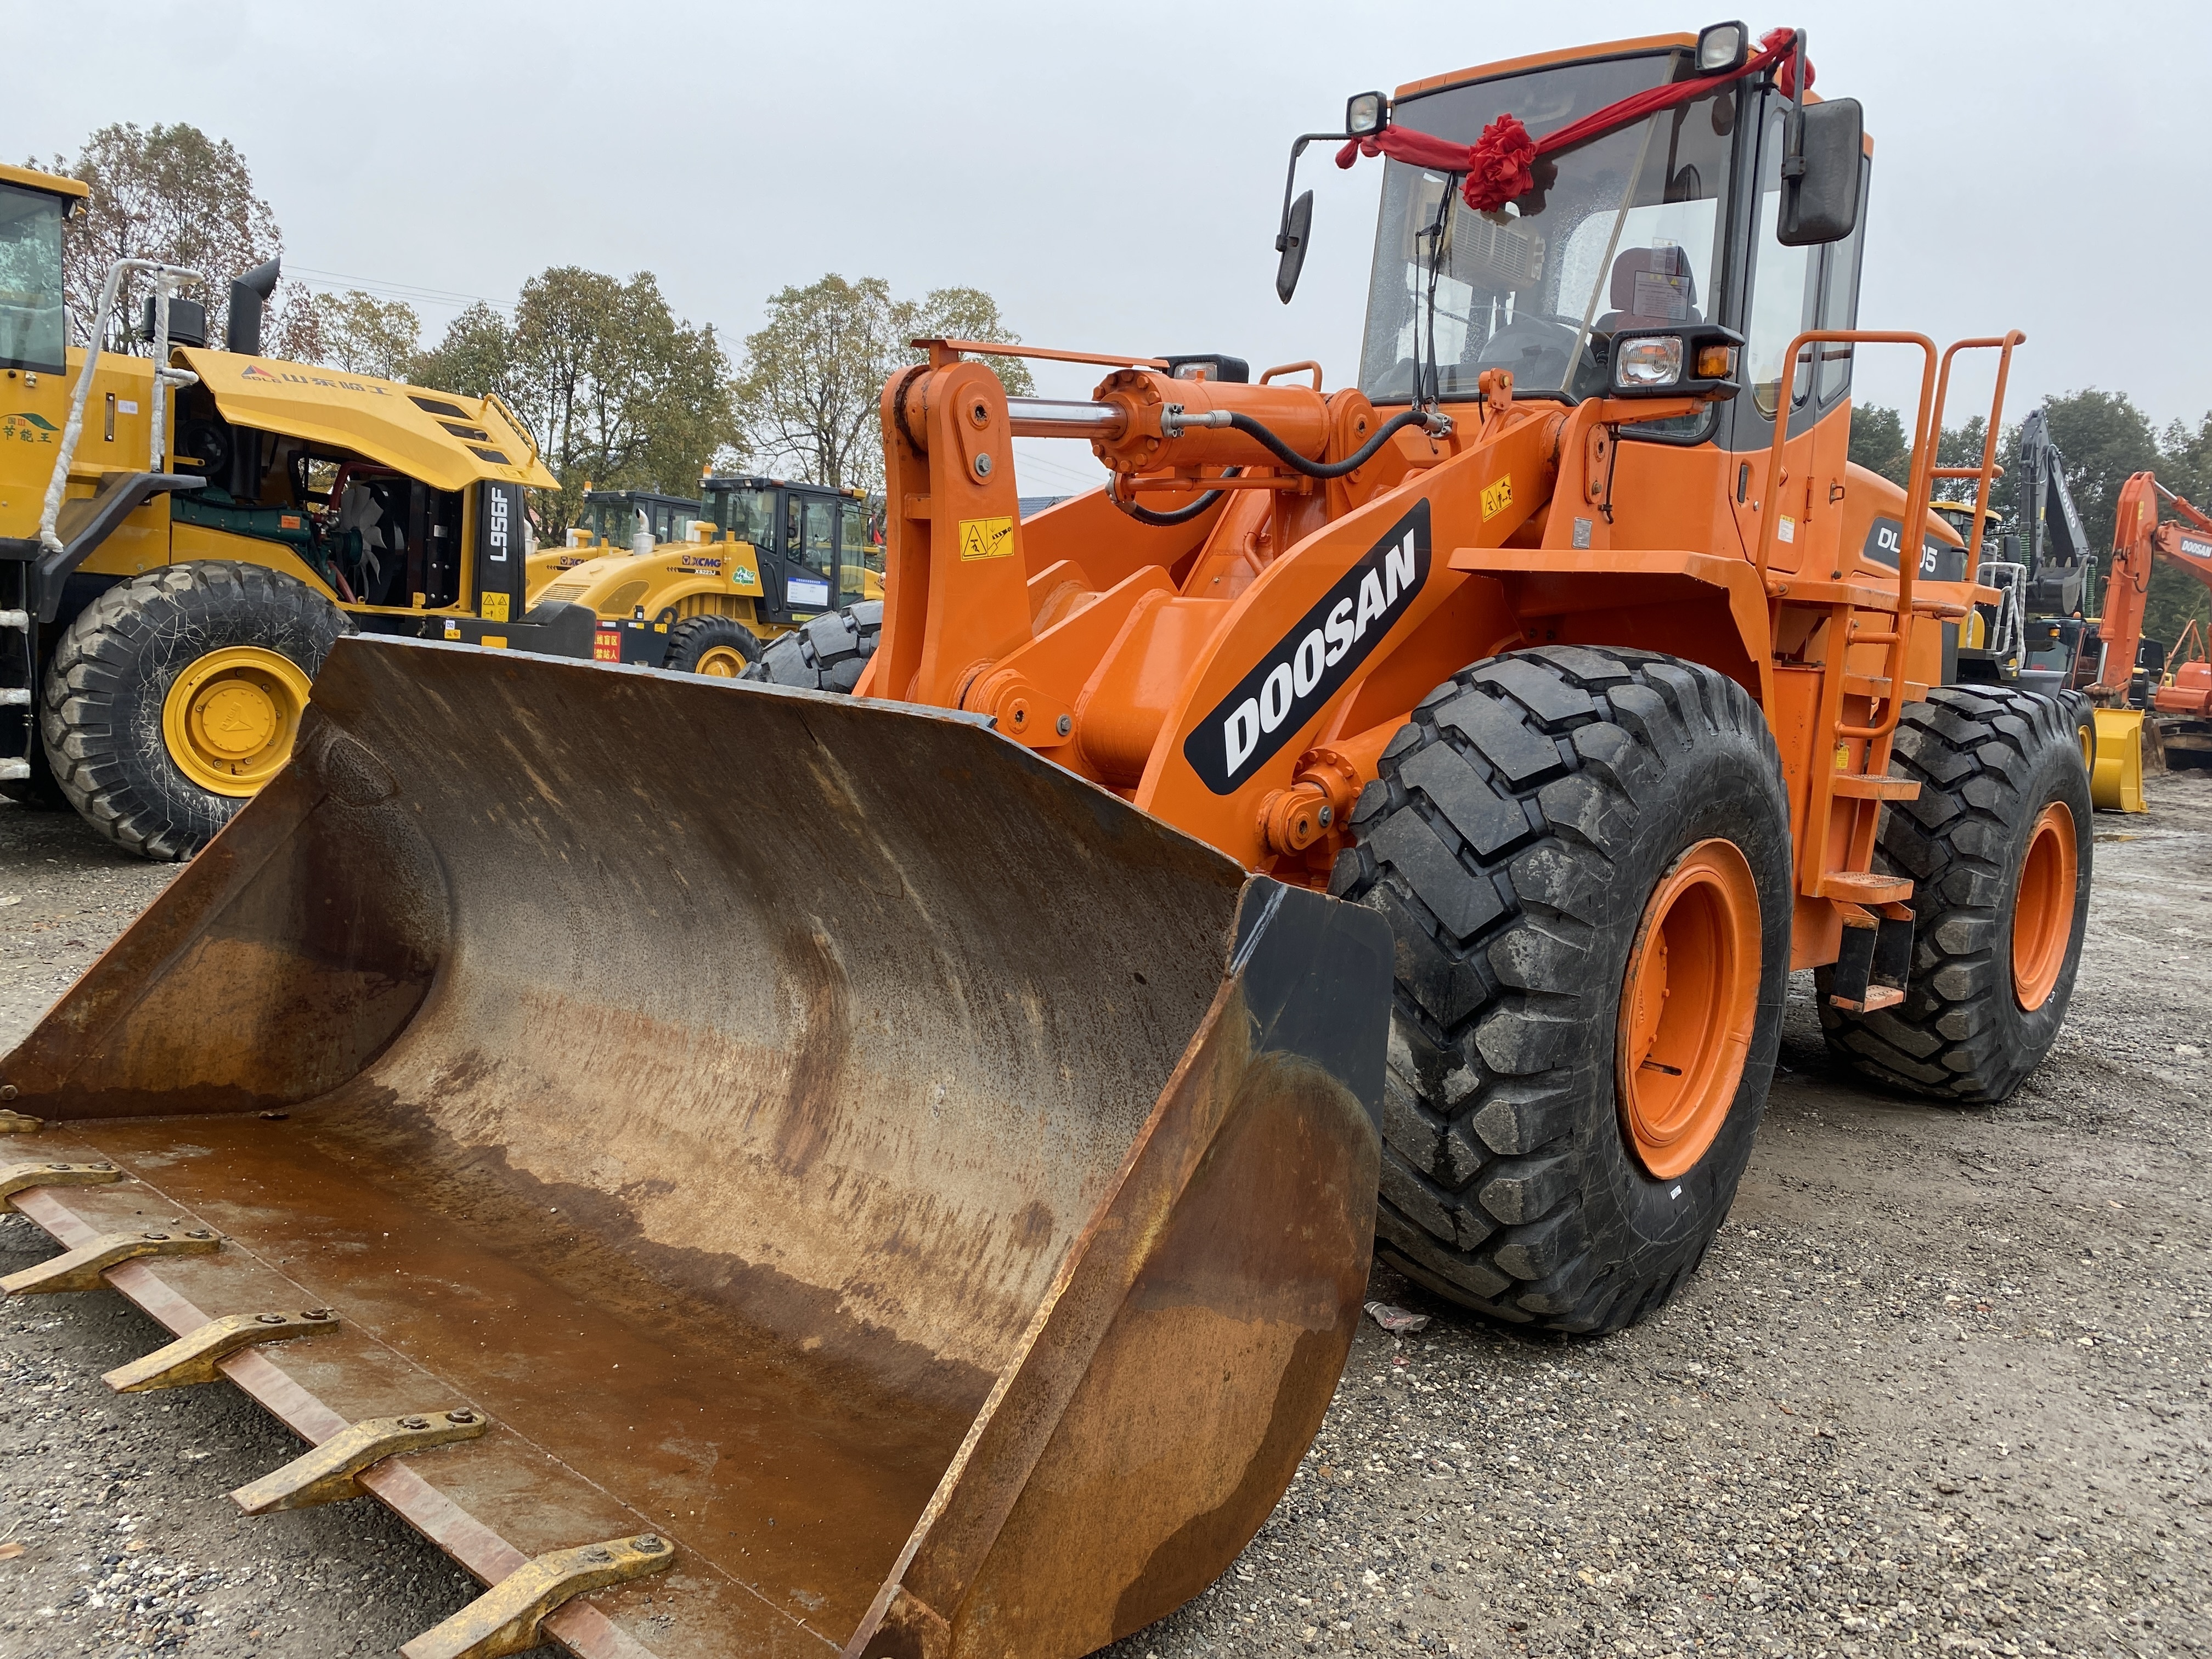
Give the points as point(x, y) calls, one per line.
point(1497, 497)
point(987, 538)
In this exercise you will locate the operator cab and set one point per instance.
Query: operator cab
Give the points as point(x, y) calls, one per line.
point(1671, 221)
point(609, 519)
point(817, 544)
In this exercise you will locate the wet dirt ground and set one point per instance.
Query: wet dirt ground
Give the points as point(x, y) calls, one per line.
point(1945, 1385)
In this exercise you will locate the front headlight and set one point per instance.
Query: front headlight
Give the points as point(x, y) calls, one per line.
point(1648, 361)
point(1366, 114)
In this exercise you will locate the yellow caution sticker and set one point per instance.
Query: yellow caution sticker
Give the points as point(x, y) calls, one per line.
point(1497, 497)
point(987, 538)
point(494, 641)
point(452, 628)
point(494, 607)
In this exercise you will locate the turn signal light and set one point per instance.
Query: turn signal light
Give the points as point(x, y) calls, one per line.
point(1716, 363)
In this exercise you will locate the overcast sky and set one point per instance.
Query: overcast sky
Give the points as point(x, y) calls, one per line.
point(1112, 173)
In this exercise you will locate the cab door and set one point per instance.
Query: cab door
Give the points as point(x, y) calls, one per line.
point(1793, 289)
point(809, 554)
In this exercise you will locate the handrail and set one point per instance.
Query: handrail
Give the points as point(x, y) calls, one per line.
point(1989, 471)
point(1916, 500)
point(167, 279)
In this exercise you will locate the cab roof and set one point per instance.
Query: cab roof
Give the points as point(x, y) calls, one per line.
point(1598, 53)
point(1560, 55)
point(53, 182)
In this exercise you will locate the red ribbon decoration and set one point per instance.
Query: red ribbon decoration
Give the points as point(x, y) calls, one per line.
point(1501, 163)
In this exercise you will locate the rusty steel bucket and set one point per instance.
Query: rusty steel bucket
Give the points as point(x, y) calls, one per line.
point(744, 1171)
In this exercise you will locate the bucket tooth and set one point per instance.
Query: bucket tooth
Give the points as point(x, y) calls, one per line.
point(327, 1474)
point(191, 1358)
point(19, 1123)
point(505, 1618)
point(84, 1268)
point(22, 1177)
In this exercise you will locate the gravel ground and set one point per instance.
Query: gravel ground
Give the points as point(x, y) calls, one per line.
point(1945, 1384)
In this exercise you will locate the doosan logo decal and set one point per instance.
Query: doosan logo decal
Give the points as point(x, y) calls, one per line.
point(1308, 666)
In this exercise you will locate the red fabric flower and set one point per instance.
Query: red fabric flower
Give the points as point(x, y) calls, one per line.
point(1501, 166)
point(1785, 76)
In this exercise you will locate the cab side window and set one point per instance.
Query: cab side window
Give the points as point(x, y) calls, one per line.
point(1839, 303)
point(1783, 288)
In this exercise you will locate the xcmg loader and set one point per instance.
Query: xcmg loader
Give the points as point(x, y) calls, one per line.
point(894, 1173)
point(704, 585)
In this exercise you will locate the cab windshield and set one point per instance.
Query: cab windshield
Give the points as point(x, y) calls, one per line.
point(1623, 232)
point(31, 326)
point(749, 515)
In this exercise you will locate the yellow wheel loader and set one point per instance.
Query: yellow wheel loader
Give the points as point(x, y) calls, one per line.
point(182, 537)
point(703, 585)
point(633, 520)
point(894, 1174)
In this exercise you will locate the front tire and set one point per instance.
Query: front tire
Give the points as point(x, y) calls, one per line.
point(720, 648)
point(1998, 845)
point(1564, 839)
point(173, 697)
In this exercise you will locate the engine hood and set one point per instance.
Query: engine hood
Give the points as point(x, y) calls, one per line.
point(444, 439)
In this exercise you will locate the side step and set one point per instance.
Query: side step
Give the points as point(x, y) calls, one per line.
point(1876, 958)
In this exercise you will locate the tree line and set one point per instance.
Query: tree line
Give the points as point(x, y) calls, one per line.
point(618, 391)
point(2106, 440)
point(621, 392)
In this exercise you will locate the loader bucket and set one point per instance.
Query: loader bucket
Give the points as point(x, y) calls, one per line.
point(2115, 782)
point(785, 1174)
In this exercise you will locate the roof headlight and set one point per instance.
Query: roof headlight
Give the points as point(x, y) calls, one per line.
point(1723, 48)
point(1365, 114)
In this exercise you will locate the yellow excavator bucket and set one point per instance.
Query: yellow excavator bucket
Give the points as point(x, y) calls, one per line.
point(806, 1162)
point(2115, 782)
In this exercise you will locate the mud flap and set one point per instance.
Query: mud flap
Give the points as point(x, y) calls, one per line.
point(932, 1196)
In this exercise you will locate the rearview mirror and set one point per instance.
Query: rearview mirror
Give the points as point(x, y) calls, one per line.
point(1820, 203)
point(1292, 244)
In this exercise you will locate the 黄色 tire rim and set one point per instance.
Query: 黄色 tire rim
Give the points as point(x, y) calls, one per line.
point(230, 717)
point(1688, 1005)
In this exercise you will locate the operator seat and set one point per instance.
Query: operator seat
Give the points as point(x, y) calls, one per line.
point(1652, 286)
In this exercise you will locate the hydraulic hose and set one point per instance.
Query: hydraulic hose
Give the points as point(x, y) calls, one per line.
point(1352, 463)
point(1144, 515)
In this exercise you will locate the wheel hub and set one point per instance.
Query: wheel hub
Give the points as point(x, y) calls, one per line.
point(1688, 1003)
point(229, 718)
point(2043, 910)
point(722, 662)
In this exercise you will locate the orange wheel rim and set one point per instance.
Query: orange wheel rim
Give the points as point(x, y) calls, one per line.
point(2043, 913)
point(1688, 1003)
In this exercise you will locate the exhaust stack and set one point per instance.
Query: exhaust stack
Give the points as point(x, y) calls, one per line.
point(248, 294)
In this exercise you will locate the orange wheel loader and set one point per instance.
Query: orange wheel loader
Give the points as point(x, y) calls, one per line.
point(920, 1208)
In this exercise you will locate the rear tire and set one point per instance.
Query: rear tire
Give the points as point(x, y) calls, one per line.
point(826, 653)
point(720, 648)
point(1524, 830)
point(1994, 949)
point(108, 718)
